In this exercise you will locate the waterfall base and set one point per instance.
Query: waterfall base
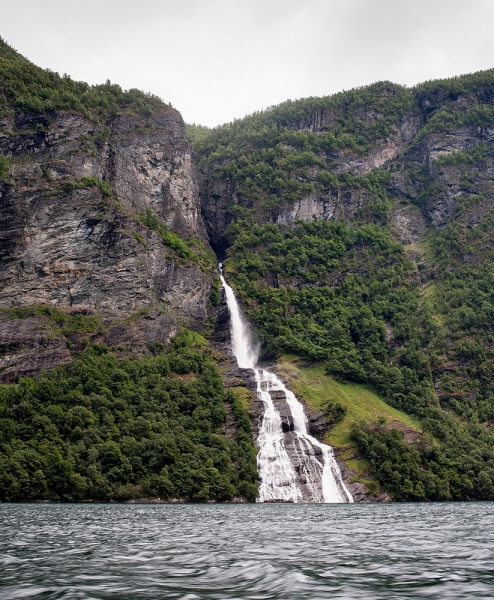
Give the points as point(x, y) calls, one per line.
point(293, 465)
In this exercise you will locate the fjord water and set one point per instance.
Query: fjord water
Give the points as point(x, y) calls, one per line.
point(247, 551)
point(279, 480)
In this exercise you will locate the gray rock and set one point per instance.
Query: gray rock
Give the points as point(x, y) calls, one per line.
point(84, 250)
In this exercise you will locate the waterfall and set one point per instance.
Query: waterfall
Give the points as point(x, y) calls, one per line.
point(293, 465)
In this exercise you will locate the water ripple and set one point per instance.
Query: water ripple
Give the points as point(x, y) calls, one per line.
point(255, 552)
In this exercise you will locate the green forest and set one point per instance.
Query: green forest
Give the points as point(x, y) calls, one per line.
point(107, 429)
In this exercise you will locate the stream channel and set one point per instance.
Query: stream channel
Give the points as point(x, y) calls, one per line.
point(293, 465)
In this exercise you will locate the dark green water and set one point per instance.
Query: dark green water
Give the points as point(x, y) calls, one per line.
point(247, 551)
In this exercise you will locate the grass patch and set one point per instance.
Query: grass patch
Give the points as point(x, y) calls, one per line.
point(140, 239)
point(311, 384)
point(243, 395)
point(75, 326)
point(4, 165)
point(202, 257)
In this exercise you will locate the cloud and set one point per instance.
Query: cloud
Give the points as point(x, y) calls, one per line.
point(220, 59)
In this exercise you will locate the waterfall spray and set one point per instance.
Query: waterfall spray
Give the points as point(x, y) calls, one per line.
point(293, 465)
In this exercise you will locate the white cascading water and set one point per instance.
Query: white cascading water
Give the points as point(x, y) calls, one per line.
point(317, 480)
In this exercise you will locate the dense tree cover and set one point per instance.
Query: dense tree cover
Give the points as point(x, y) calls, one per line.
point(277, 176)
point(458, 271)
point(195, 132)
point(425, 470)
point(463, 304)
point(101, 428)
point(349, 126)
point(453, 116)
point(285, 152)
point(384, 101)
point(456, 102)
point(278, 155)
point(472, 83)
point(348, 296)
point(24, 87)
point(335, 291)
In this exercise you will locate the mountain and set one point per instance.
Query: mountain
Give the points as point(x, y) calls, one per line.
point(104, 263)
point(354, 228)
point(358, 233)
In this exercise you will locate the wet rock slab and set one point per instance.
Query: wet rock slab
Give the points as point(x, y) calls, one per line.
point(281, 405)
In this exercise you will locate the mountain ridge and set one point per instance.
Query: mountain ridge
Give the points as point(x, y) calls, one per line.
point(355, 229)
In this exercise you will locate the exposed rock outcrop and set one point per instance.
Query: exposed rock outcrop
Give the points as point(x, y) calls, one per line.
point(383, 152)
point(71, 235)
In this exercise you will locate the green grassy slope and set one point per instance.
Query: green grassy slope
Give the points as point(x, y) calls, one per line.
point(318, 390)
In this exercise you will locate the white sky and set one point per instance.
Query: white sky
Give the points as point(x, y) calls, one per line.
point(216, 60)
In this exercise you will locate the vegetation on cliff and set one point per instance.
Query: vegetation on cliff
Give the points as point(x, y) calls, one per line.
point(286, 152)
point(415, 324)
point(107, 429)
point(203, 257)
point(456, 102)
point(24, 87)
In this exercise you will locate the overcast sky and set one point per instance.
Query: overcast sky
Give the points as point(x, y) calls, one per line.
point(216, 60)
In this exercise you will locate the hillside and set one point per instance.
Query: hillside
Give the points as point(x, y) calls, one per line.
point(105, 266)
point(355, 229)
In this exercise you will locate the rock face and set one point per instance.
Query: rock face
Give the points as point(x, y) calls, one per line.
point(409, 224)
point(78, 244)
point(219, 195)
point(147, 160)
point(154, 168)
point(29, 345)
point(341, 205)
point(311, 208)
point(216, 198)
point(279, 400)
point(451, 184)
point(385, 151)
point(424, 191)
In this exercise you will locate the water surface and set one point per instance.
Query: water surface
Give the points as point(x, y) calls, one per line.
point(251, 551)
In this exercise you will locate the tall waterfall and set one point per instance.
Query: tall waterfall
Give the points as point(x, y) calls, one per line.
point(293, 465)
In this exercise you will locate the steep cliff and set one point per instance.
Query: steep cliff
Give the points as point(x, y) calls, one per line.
point(106, 278)
point(307, 160)
point(304, 160)
point(82, 200)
